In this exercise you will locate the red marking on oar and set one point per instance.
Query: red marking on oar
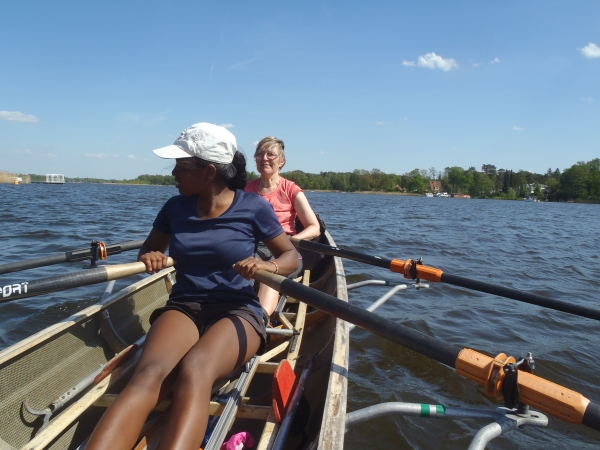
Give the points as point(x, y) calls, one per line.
point(284, 381)
point(116, 362)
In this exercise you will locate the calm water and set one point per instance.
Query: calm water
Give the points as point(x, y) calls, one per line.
point(545, 248)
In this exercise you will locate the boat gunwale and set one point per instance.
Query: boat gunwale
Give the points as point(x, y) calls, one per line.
point(333, 424)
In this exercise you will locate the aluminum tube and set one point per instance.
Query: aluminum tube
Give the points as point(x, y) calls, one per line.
point(108, 290)
point(370, 282)
point(492, 431)
point(382, 300)
point(280, 332)
point(422, 410)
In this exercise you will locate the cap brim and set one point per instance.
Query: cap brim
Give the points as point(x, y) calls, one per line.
point(171, 152)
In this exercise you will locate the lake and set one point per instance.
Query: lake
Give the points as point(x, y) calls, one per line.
point(549, 249)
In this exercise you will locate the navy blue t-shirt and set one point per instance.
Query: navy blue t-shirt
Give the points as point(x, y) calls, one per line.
point(206, 249)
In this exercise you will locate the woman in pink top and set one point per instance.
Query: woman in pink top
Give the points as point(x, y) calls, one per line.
point(288, 201)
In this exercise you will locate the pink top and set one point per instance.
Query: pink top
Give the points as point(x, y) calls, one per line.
point(282, 199)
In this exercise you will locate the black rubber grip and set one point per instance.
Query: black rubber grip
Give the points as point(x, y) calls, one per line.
point(23, 289)
point(426, 345)
point(591, 417)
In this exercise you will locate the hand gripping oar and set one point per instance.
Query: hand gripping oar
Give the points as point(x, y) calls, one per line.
point(413, 269)
point(73, 255)
point(100, 274)
point(542, 394)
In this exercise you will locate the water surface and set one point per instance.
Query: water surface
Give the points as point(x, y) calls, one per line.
point(545, 248)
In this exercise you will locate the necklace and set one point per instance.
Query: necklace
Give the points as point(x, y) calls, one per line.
point(270, 189)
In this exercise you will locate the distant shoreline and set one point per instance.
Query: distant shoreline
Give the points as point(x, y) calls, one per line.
point(364, 192)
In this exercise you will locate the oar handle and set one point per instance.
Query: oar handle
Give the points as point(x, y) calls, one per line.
point(99, 274)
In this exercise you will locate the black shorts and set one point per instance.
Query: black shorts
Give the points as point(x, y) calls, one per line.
point(205, 314)
point(263, 253)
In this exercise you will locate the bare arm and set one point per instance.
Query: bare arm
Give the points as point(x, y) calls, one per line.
point(152, 252)
point(286, 259)
point(312, 229)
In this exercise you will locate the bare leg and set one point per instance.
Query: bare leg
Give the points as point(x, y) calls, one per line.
point(169, 339)
point(268, 298)
point(225, 346)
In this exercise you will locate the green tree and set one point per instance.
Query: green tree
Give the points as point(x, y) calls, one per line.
point(483, 186)
point(574, 182)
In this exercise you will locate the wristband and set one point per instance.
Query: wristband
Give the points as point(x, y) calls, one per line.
point(276, 267)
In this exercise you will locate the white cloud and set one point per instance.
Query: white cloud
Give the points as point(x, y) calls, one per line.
point(433, 61)
point(226, 125)
point(26, 151)
point(380, 123)
point(16, 116)
point(517, 128)
point(100, 155)
point(51, 155)
point(131, 156)
point(590, 51)
point(476, 64)
point(255, 143)
point(587, 99)
point(408, 63)
point(496, 60)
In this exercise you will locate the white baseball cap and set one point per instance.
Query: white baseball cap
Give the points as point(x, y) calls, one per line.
point(206, 141)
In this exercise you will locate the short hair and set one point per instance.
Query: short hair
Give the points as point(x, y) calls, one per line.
point(272, 141)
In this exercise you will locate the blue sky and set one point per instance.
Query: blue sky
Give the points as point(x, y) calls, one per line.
point(90, 88)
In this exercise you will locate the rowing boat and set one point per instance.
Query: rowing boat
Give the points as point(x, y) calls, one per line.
point(57, 383)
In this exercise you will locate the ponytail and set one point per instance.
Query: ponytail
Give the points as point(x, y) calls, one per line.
point(238, 181)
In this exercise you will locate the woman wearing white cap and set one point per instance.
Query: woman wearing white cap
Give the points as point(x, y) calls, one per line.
point(212, 322)
point(287, 199)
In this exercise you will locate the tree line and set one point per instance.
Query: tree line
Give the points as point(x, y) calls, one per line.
point(580, 182)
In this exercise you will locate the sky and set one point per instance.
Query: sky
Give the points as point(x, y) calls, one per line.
point(89, 89)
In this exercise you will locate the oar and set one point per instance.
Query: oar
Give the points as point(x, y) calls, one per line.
point(100, 274)
point(542, 394)
point(70, 256)
point(412, 269)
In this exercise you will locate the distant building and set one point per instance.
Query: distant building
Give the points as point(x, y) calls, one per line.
point(55, 178)
point(435, 186)
point(531, 187)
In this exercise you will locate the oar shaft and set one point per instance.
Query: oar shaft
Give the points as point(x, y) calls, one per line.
point(525, 297)
point(336, 251)
point(70, 256)
point(81, 278)
point(554, 399)
point(436, 275)
point(407, 337)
